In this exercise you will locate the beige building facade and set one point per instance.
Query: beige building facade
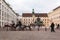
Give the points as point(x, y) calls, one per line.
point(54, 16)
point(7, 14)
point(29, 18)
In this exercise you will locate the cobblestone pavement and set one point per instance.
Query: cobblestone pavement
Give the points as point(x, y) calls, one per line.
point(29, 35)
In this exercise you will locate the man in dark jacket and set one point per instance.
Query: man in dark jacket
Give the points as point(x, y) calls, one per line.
point(52, 27)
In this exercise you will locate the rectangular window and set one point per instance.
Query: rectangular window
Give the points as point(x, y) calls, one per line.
point(2, 7)
point(2, 18)
point(2, 23)
point(2, 13)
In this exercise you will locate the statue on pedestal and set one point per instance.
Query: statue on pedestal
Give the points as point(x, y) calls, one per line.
point(38, 22)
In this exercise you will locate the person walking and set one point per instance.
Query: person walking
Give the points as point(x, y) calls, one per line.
point(52, 27)
point(58, 26)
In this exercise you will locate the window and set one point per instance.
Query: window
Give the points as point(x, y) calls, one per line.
point(24, 19)
point(2, 18)
point(2, 7)
point(2, 24)
point(24, 22)
point(2, 13)
point(59, 16)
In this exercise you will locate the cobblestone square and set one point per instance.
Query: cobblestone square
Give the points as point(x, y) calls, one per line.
point(29, 35)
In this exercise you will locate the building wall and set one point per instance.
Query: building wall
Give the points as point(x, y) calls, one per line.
point(29, 20)
point(55, 16)
point(6, 14)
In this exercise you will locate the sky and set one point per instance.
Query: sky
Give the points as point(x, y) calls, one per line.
point(39, 6)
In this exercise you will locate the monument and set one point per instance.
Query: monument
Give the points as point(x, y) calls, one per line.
point(38, 22)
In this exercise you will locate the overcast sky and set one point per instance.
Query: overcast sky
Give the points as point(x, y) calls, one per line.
point(40, 6)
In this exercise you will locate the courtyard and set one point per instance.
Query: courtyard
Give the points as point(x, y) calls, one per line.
point(30, 35)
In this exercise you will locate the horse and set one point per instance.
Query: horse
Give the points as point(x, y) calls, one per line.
point(12, 27)
point(25, 27)
point(6, 26)
point(19, 24)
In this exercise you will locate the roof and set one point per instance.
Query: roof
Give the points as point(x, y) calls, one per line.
point(36, 15)
point(17, 14)
point(9, 6)
point(56, 8)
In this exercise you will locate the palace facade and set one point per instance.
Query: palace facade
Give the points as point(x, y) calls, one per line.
point(30, 18)
point(54, 16)
point(7, 14)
